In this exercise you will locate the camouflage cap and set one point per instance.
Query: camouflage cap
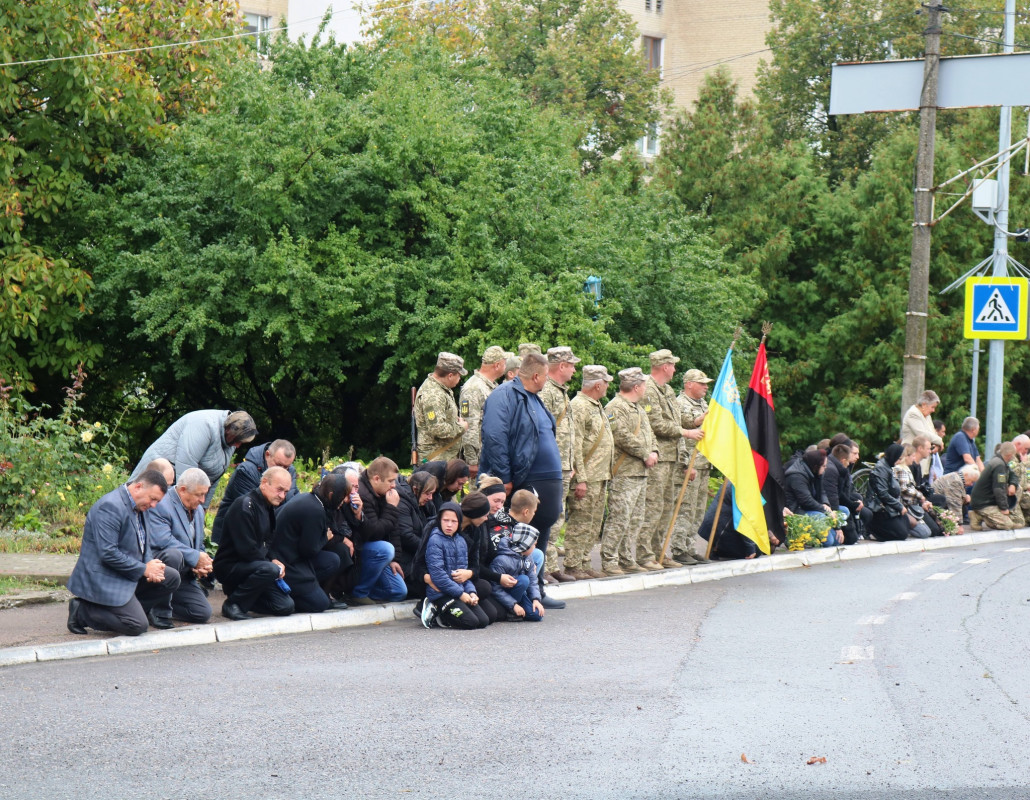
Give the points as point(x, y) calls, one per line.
point(528, 347)
point(596, 372)
point(493, 354)
point(632, 375)
point(659, 357)
point(696, 376)
point(561, 355)
point(448, 362)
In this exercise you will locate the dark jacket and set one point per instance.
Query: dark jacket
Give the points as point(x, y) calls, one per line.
point(407, 534)
point(838, 487)
point(509, 435)
point(300, 534)
point(884, 492)
point(802, 490)
point(729, 543)
point(991, 488)
point(249, 524)
point(477, 540)
point(508, 562)
point(245, 478)
point(444, 554)
point(378, 518)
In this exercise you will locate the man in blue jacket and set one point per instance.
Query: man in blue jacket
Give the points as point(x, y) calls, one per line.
point(520, 448)
point(117, 580)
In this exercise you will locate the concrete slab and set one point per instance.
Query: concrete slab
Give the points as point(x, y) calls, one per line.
point(752, 567)
point(882, 549)
point(853, 552)
point(361, 615)
point(17, 655)
point(711, 572)
point(937, 542)
point(653, 580)
point(910, 546)
point(571, 591)
point(160, 640)
point(66, 650)
point(632, 583)
point(823, 555)
point(790, 560)
point(676, 577)
point(266, 626)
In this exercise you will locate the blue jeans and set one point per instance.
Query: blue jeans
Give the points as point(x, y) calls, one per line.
point(538, 558)
point(520, 591)
point(376, 579)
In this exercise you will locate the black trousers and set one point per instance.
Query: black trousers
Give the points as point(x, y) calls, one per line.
point(252, 586)
point(456, 614)
point(131, 618)
point(886, 528)
point(188, 602)
point(494, 611)
point(308, 595)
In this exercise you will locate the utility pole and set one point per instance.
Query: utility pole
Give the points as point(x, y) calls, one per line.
point(914, 378)
point(996, 349)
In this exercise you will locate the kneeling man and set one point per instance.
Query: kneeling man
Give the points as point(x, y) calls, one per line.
point(989, 500)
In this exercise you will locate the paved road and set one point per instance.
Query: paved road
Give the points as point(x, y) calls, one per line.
point(909, 674)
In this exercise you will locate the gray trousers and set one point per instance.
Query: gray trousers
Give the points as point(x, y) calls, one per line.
point(131, 618)
point(188, 602)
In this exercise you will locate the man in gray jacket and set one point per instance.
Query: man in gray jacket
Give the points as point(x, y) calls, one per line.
point(117, 580)
point(205, 439)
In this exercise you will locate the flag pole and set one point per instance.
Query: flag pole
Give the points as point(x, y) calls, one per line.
point(725, 482)
point(679, 502)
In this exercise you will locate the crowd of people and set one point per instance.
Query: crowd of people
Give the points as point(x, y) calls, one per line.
point(467, 535)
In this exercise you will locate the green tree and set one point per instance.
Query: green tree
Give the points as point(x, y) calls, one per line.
point(62, 117)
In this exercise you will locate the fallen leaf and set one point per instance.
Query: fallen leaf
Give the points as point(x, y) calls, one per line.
point(743, 758)
point(816, 760)
point(639, 708)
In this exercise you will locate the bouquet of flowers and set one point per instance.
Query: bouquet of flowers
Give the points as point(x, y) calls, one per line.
point(948, 520)
point(804, 531)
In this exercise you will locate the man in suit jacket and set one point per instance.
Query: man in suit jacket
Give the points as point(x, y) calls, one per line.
point(177, 537)
point(117, 580)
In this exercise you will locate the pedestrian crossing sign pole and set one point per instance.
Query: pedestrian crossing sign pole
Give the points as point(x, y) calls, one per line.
point(996, 308)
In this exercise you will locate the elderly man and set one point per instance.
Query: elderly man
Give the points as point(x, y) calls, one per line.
point(561, 366)
point(962, 448)
point(955, 487)
point(249, 575)
point(512, 364)
point(440, 428)
point(473, 396)
point(636, 452)
point(593, 451)
point(520, 448)
point(117, 580)
point(918, 421)
point(177, 536)
point(246, 477)
point(205, 439)
point(1018, 479)
point(693, 409)
point(665, 418)
point(989, 505)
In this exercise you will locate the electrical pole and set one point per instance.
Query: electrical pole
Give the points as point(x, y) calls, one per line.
point(996, 349)
point(914, 378)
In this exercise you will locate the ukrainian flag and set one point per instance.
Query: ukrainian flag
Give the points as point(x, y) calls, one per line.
point(727, 446)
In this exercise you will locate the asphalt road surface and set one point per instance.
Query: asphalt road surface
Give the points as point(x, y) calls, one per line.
point(909, 675)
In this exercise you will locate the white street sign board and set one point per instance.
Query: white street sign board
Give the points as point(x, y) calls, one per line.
point(964, 82)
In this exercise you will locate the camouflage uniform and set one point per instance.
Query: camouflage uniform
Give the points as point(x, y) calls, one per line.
point(627, 496)
point(473, 396)
point(436, 418)
point(953, 486)
point(660, 406)
point(1017, 469)
point(685, 541)
point(593, 437)
point(555, 398)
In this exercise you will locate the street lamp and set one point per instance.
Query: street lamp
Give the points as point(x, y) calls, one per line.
point(593, 288)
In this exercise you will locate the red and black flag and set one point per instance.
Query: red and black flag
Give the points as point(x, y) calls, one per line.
point(760, 417)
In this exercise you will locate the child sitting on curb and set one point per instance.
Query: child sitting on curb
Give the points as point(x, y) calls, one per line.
point(449, 603)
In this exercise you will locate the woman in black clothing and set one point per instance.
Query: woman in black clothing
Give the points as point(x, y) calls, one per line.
point(475, 509)
point(883, 498)
point(415, 511)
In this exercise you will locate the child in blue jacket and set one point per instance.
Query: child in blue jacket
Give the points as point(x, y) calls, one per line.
point(449, 603)
point(522, 601)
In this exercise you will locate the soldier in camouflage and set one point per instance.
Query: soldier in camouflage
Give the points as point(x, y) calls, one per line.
point(1017, 467)
point(440, 428)
point(593, 451)
point(686, 547)
point(660, 405)
point(561, 366)
point(636, 452)
point(473, 395)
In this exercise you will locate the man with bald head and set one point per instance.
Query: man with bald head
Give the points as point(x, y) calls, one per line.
point(242, 564)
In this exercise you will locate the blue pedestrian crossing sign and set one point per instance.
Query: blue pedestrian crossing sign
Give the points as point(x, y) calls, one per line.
point(996, 308)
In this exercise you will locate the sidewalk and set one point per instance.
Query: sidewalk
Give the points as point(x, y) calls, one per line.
point(38, 632)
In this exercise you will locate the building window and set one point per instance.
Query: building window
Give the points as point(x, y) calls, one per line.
point(647, 5)
point(658, 6)
point(647, 145)
point(255, 23)
point(653, 52)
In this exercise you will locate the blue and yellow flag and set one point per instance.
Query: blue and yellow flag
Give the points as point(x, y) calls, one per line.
point(727, 446)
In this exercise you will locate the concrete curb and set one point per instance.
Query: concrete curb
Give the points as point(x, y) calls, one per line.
point(191, 635)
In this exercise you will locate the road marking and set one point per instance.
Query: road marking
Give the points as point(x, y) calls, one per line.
point(977, 561)
point(940, 576)
point(907, 596)
point(856, 653)
point(878, 619)
point(1017, 549)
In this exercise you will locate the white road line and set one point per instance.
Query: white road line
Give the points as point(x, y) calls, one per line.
point(940, 576)
point(878, 619)
point(856, 653)
point(907, 596)
point(1017, 549)
point(977, 561)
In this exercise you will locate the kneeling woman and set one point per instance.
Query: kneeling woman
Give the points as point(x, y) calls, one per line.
point(448, 602)
point(883, 498)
